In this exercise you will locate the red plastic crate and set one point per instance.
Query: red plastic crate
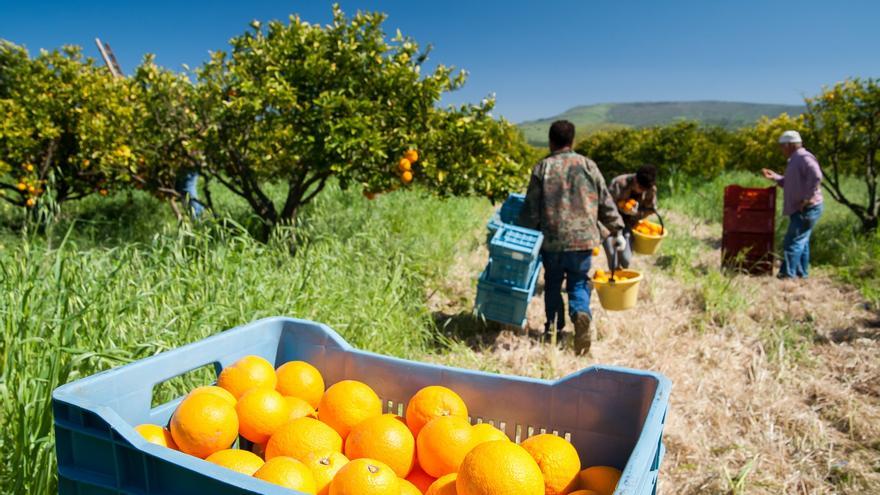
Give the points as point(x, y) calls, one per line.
point(752, 253)
point(749, 221)
point(750, 198)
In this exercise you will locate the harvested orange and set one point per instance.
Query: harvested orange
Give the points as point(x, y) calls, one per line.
point(299, 408)
point(324, 467)
point(217, 391)
point(346, 404)
point(601, 479)
point(445, 485)
point(203, 424)
point(412, 155)
point(595, 251)
point(300, 437)
point(433, 402)
point(443, 444)
point(157, 435)
point(407, 488)
point(289, 473)
point(499, 468)
point(404, 165)
point(237, 460)
point(558, 460)
point(261, 411)
point(384, 438)
point(585, 492)
point(300, 379)
point(420, 478)
point(484, 432)
point(365, 477)
point(406, 177)
point(247, 373)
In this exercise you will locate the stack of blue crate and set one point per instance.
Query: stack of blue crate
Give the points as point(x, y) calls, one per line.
point(508, 283)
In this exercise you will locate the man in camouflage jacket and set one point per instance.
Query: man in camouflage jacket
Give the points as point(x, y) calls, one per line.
point(641, 187)
point(567, 199)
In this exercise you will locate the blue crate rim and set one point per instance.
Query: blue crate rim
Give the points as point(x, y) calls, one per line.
point(66, 393)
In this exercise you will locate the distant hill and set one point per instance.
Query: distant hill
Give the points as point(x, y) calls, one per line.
point(727, 114)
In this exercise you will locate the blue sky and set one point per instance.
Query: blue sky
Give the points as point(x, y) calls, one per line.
point(538, 57)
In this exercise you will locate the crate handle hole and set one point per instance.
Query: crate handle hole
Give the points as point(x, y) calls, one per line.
point(177, 386)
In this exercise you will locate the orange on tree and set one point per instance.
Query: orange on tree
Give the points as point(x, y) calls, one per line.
point(443, 444)
point(216, 391)
point(324, 466)
point(558, 460)
point(300, 408)
point(347, 403)
point(601, 479)
point(300, 379)
point(289, 473)
point(301, 437)
point(203, 424)
point(484, 432)
point(385, 438)
point(404, 165)
point(157, 435)
point(247, 373)
point(407, 488)
point(261, 412)
point(237, 460)
point(433, 402)
point(412, 155)
point(445, 485)
point(365, 477)
point(406, 177)
point(499, 468)
point(420, 478)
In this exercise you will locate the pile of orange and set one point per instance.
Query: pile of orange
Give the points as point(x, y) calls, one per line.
point(627, 205)
point(649, 228)
point(337, 441)
point(404, 166)
point(603, 277)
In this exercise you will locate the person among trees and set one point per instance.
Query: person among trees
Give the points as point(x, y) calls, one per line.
point(802, 203)
point(636, 198)
point(567, 200)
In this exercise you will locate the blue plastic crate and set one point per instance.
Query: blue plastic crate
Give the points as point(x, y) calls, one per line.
point(512, 272)
point(511, 207)
point(502, 302)
point(613, 416)
point(516, 243)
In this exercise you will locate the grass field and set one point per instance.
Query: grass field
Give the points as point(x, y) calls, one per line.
point(117, 280)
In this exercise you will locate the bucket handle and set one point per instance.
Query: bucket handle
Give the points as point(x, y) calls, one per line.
point(613, 265)
point(662, 225)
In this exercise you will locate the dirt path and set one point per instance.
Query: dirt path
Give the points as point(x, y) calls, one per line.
point(776, 385)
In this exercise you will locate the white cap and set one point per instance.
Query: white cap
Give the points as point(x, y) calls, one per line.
point(790, 137)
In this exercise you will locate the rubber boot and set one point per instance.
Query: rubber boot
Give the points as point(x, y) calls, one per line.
point(582, 337)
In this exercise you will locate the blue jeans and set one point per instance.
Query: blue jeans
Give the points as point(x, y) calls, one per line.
point(187, 185)
point(796, 246)
point(573, 267)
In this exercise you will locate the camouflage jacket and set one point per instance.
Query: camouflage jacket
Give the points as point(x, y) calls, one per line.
point(567, 199)
point(623, 187)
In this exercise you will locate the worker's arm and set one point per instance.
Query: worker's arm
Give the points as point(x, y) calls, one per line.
point(650, 205)
point(771, 175)
point(530, 215)
point(608, 214)
point(812, 175)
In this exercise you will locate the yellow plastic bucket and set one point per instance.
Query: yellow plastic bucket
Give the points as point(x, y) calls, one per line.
point(645, 243)
point(620, 295)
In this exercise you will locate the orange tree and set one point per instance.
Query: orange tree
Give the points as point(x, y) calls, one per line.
point(755, 147)
point(296, 103)
point(64, 131)
point(166, 134)
point(843, 126)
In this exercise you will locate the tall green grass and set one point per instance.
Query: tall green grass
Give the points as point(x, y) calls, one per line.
point(838, 245)
point(106, 287)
